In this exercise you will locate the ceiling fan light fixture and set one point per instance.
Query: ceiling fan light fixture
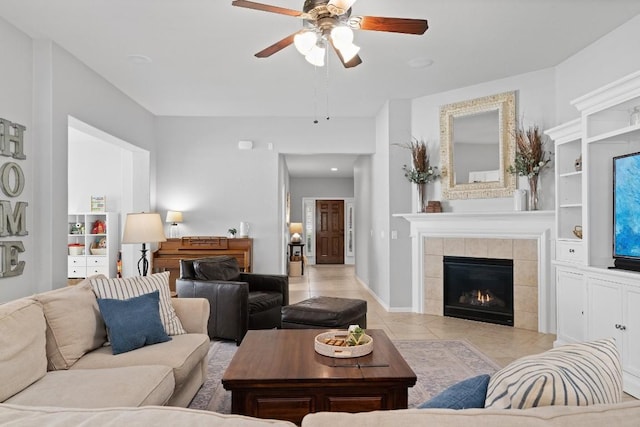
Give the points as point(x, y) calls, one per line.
point(305, 41)
point(339, 7)
point(316, 56)
point(341, 36)
point(349, 51)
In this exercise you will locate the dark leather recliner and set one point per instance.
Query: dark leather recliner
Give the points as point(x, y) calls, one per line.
point(239, 301)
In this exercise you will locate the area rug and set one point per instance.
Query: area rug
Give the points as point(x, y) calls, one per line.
point(437, 364)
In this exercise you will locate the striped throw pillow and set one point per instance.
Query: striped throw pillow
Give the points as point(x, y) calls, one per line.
point(139, 285)
point(574, 375)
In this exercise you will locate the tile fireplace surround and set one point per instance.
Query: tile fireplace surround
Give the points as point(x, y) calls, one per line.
point(525, 237)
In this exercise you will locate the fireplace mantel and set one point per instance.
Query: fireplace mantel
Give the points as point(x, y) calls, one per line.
point(537, 225)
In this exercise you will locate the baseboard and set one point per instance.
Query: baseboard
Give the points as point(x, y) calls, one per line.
point(373, 295)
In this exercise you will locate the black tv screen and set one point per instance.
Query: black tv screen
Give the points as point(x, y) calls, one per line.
point(626, 211)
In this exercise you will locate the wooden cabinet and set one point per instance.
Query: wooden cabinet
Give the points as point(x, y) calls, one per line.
point(92, 244)
point(169, 253)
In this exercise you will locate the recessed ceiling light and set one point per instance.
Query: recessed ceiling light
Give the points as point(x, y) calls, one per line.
point(138, 59)
point(334, 169)
point(420, 62)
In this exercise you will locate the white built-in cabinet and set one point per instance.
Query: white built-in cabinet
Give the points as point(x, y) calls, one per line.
point(593, 301)
point(92, 260)
point(572, 296)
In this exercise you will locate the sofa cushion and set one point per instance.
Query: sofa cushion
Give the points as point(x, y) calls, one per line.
point(575, 374)
point(100, 388)
point(469, 393)
point(139, 285)
point(23, 358)
point(134, 322)
point(74, 324)
point(33, 416)
point(263, 301)
point(223, 268)
point(182, 354)
point(625, 414)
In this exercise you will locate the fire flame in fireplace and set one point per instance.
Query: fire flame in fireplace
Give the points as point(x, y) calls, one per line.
point(483, 297)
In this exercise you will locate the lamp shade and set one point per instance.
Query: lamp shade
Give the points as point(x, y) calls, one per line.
point(143, 228)
point(174, 216)
point(295, 227)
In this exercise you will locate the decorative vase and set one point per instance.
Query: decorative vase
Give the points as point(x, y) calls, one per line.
point(422, 197)
point(533, 193)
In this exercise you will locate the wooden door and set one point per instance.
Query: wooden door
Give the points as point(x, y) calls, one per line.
point(329, 232)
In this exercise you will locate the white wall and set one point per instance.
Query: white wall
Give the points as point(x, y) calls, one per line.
point(326, 188)
point(203, 174)
point(535, 104)
point(399, 202)
point(363, 187)
point(43, 86)
point(612, 57)
point(16, 81)
point(95, 169)
point(79, 92)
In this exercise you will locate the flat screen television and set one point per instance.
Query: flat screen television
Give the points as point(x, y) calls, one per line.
point(626, 211)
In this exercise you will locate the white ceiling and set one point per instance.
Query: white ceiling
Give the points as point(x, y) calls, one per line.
point(202, 61)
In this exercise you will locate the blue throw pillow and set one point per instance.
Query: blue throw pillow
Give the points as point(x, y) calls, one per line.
point(469, 393)
point(134, 322)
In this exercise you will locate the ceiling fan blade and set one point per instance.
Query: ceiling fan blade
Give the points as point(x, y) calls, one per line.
point(268, 8)
point(393, 25)
point(277, 47)
point(353, 62)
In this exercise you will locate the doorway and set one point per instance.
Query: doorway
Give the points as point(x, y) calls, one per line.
point(329, 231)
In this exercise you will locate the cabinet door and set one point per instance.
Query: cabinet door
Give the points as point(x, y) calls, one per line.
point(570, 294)
point(604, 310)
point(631, 323)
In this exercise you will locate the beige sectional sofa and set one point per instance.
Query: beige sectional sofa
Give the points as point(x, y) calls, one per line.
point(56, 371)
point(52, 353)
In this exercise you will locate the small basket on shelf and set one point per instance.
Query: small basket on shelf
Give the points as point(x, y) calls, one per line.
point(99, 247)
point(577, 231)
point(76, 249)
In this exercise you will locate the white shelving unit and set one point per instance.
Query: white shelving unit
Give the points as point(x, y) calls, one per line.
point(91, 262)
point(569, 191)
point(592, 300)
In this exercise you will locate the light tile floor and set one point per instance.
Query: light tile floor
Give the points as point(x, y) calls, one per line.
point(503, 344)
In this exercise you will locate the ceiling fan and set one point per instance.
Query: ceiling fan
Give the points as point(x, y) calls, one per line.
point(329, 22)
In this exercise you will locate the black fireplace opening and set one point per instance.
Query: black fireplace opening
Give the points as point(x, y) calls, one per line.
point(479, 289)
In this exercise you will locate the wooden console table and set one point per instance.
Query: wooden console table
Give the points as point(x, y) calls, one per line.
point(169, 253)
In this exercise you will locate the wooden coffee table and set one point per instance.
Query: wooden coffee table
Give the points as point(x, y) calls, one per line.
point(277, 374)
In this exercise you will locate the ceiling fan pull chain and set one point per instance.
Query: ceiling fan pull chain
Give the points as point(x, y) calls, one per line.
point(327, 83)
point(315, 95)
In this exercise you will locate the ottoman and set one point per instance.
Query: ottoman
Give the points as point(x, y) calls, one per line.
point(325, 313)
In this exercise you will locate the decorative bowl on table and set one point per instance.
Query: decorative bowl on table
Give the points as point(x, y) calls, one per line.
point(336, 344)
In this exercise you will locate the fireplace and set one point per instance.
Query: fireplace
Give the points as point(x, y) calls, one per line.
point(479, 289)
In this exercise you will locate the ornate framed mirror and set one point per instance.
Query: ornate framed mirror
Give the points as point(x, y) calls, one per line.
point(477, 145)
